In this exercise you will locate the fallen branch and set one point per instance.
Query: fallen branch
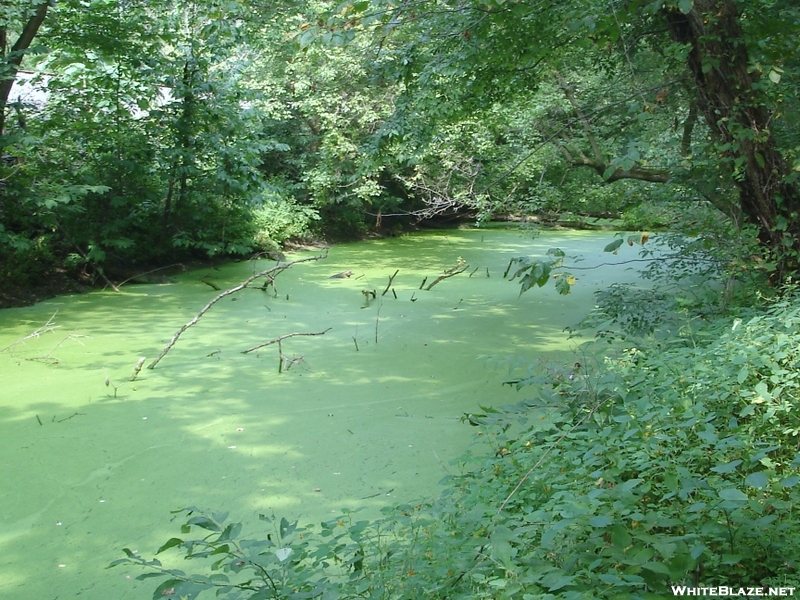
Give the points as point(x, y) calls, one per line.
point(278, 340)
point(449, 273)
point(77, 414)
point(282, 359)
point(46, 328)
point(269, 273)
point(211, 284)
point(181, 265)
point(54, 360)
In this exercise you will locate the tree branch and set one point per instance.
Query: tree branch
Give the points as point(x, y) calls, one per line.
point(267, 273)
point(278, 340)
point(635, 172)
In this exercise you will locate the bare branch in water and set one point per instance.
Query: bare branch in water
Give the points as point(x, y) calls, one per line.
point(268, 273)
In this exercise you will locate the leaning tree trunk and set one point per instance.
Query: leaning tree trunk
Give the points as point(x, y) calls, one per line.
point(734, 108)
point(12, 59)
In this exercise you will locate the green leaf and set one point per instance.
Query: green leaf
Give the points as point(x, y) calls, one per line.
point(223, 549)
point(629, 485)
point(733, 495)
point(613, 246)
point(203, 522)
point(744, 373)
point(163, 590)
point(727, 467)
point(685, 6)
point(757, 480)
point(171, 543)
point(620, 537)
point(563, 286)
point(657, 567)
point(600, 521)
point(144, 576)
point(287, 528)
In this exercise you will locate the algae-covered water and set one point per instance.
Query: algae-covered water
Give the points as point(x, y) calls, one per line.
point(92, 462)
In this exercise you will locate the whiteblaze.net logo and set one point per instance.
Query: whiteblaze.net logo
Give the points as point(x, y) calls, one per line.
point(728, 591)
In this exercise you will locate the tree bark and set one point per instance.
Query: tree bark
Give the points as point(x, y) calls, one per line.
point(734, 109)
point(13, 59)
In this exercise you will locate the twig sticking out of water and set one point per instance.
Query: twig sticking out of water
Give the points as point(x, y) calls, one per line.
point(138, 368)
point(268, 273)
point(110, 383)
point(388, 285)
point(52, 359)
point(282, 358)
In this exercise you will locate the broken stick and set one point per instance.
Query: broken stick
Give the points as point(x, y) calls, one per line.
point(388, 285)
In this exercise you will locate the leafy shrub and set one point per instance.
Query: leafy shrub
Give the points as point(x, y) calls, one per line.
point(675, 465)
point(279, 218)
point(648, 217)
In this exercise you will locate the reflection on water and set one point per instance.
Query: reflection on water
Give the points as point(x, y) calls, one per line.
point(365, 415)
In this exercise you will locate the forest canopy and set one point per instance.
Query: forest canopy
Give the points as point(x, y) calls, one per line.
point(158, 133)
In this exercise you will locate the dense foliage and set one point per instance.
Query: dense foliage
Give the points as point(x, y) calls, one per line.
point(675, 463)
point(152, 133)
point(156, 132)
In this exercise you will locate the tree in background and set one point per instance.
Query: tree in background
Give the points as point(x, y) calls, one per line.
point(23, 19)
point(726, 61)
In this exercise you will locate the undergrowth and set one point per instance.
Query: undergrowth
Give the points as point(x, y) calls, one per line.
point(675, 464)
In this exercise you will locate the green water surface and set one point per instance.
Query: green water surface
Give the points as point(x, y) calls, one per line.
point(353, 423)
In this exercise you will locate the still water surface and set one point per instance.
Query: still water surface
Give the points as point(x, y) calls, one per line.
point(89, 468)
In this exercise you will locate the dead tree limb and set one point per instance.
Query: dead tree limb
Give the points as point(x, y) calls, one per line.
point(270, 273)
point(278, 340)
point(46, 328)
point(181, 265)
point(388, 285)
point(282, 358)
point(448, 273)
point(213, 285)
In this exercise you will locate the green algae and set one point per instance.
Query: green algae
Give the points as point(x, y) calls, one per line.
point(367, 414)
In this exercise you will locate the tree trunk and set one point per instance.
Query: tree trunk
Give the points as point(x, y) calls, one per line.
point(13, 59)
point(729, 100)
